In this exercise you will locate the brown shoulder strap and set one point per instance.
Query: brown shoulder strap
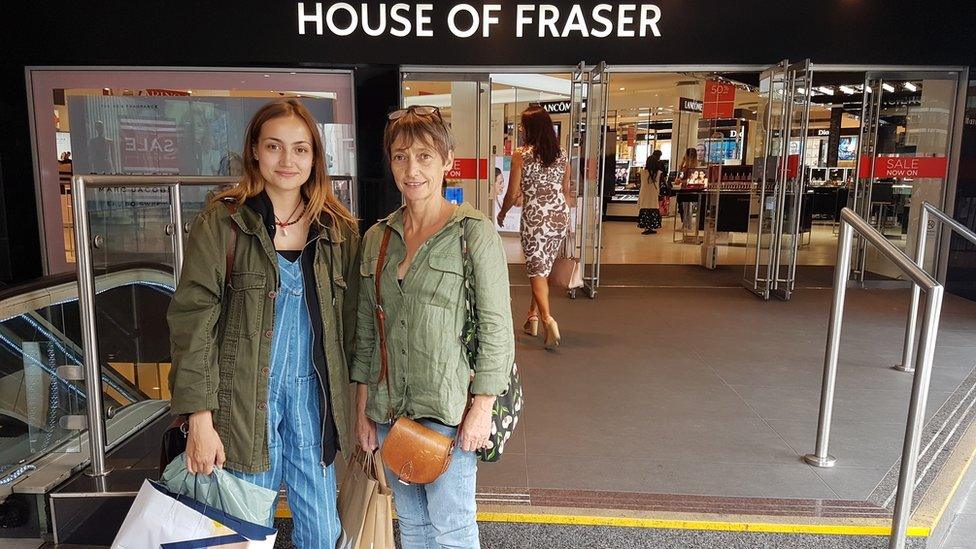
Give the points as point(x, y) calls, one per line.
point(380, 314)
point(232, 244)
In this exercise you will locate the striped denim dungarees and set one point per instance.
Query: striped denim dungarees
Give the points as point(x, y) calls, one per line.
point(295, 421)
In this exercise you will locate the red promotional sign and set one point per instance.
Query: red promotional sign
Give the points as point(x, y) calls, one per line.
point(719, 100)
point(467, 168)
point(909, 167)
point(631, 136)
point(149, 146)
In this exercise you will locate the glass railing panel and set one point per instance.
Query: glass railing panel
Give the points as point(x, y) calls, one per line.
point(128, 224)
point(42, 391)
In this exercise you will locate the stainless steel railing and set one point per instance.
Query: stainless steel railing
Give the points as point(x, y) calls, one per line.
point(907, 360)
point(86, 286)
point(850, 222)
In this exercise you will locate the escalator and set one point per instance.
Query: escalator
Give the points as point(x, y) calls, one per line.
point(43, 405)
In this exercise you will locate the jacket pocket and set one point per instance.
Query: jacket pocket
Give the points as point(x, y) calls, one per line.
point(446, 277)
point(247, 294)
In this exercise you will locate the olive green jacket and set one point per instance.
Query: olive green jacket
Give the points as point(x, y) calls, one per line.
point(429, 372)
point(221, 337)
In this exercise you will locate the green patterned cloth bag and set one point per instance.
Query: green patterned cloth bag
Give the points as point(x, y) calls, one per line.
point(505, 413)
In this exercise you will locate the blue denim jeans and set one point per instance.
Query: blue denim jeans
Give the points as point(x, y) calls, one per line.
point(441, 514)
point(295, 422)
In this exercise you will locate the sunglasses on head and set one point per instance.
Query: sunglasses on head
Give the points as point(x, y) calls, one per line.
point(422, 110)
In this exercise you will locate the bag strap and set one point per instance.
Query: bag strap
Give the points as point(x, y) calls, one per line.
point(380, 314)
point(232, 244)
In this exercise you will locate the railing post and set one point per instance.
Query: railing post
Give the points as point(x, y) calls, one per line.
point(908, 348)
point(916, 417)
point(89, 337)
point(841, 272)
point(176, 214)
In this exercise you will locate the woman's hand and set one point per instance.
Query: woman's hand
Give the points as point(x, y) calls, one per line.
point(203, 446)
point(366, 433)
point(501, 217)
point(365, 427)
point(477, 424)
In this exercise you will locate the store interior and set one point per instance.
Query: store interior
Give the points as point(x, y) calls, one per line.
point(648, 111)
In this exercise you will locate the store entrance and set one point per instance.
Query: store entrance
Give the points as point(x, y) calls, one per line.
point(756, 163)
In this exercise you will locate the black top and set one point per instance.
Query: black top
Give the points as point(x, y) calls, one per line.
point(290, 255)
point(262, 206)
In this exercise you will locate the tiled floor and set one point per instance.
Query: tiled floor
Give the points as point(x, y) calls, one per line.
point(623, 243)
point(714, 392)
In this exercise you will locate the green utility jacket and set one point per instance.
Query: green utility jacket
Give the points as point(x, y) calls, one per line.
point(428, 369)
point(221, 337)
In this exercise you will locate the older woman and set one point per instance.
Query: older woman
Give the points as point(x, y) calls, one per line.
point(428, 377)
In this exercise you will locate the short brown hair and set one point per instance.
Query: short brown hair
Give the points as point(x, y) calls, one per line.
point(426, 128)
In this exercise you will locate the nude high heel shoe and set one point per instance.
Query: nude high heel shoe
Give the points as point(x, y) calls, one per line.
point(531, 326)
point(552, 333)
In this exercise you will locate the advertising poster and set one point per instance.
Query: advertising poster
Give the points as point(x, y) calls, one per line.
point(503, 168)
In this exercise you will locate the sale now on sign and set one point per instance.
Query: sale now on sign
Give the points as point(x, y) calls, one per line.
point(907, 167)
point(467, 168)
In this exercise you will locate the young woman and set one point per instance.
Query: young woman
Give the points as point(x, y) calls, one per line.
point(540, 172)
point(260, 363)
point(428, 377)
point(648, 200)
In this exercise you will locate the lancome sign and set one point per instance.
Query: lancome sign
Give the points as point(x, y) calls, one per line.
point(474, 20)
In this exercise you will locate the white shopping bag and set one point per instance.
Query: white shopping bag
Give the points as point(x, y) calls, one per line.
point(161, 519)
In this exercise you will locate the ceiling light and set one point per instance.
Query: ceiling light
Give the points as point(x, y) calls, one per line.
point(406, 88)
point(888, 87)
point(622, 89)
point(911, 87)
point(847, 89)
point(826, 90)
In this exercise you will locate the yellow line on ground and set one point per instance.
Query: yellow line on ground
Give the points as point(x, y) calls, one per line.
point(730, 526)
point(955, 485)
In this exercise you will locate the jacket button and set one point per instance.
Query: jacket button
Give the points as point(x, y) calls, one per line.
point(262, 406)
point(268, 334)
point(272, 294)
point(403, 323)
point(403, 351)
point(265, 370)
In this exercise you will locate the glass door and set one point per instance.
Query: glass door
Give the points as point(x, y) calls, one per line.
point(906, 128)
point(464, 101)
point(589, 206)
point(778, 179)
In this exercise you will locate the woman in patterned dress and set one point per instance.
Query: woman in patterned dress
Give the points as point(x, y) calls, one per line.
point(540, 173)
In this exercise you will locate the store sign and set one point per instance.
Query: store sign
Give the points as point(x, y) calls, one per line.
point(689, 105)
point(631, 136)
point(467, 168)
point(910, 167)
point(556, 107)
point(466, 20)
point(719, 100)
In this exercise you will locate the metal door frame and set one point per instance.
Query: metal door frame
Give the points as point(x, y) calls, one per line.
point(597, 75)
point(772, 283)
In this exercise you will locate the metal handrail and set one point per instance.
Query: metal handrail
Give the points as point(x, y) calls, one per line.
point(850, 222)
point(86, 285)
point(921, 239)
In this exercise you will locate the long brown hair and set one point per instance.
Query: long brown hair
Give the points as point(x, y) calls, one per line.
point(317, 190)
point(540, 135)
